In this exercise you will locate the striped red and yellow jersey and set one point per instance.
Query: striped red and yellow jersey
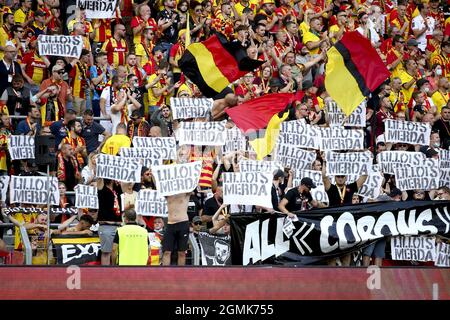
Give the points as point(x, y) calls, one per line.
point(79, 76)
point(35, 67)
point(103, 31)
point(116, 51)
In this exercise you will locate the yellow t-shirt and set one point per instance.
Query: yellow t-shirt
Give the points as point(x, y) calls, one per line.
point(20, 16)
point(439, 100)
point(303, 27)
point(240, 8)
point(311, 37)
point(140, 52)
point(114, 143)
point(407, 93)
point(3, 39)
point(334, 29)
point(152, 100)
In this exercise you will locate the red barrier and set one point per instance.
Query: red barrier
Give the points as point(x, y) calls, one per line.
point(253, 283)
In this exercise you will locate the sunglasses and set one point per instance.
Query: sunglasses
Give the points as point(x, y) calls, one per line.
point(197, 223)
point(60, 71)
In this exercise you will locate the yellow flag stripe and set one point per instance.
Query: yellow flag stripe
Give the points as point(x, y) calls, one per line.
point(75, 240)
point(340, 83)
point(213, 77)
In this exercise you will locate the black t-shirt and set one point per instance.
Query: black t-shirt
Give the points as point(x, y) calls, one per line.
point(171, 33)
point(277, 196)
point(70, 181)
point(444, 132)
point(335, 198)
point(108, 205)
point(297, 201)
point(90, 135)
point(210, 208)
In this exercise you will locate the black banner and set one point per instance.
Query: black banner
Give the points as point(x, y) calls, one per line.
point(30, 210)
point(322, 234)
point(215, 249)
point(77, 249)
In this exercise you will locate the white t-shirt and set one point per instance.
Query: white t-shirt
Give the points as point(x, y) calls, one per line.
point(418, 23)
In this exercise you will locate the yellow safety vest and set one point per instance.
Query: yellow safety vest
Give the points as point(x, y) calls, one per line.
point(133, 245)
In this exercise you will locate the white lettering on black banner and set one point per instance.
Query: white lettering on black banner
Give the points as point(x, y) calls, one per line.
point(150, 203)
point(201, 133)
point(423, 177)
point(359, 163)
point(413, 248)
point(247, 188)
point(59, 45)
point(390, 160)
point(338, 138)
point(336, 116)
point(118, 168)
point(33, 190)
point(98, 9)
point(21, 147)
point(86, 196)
point(407, 132)
point(188, 108)
point(175, 179)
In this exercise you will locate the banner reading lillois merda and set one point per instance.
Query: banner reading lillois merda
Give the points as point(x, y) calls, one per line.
point(259, 166)
point(321, 234)
point(247, 188)
point(188, 108)
point(201, 133)
point(4, 183)
point(336, 116)
point(407, 132)
point(389, 161)
point(118, 168)
point(33, 190)
point(425, 176)
point(300, 134)
point(86, 196)
point(151, 203)
point(177, 178)
point(149, 157)
point(359, 163)
point(162, 147)
point(98, 9)
point(60, 45)
point(21, 147)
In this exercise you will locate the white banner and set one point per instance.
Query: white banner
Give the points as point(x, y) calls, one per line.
point(336, 116)
point(21, 147)
point(61, 46)
point(151, 203)
point(390, 160)
point(33, 190)
point(338, 138)
point(118, 168)
point(444, 178)
point(86, 196)
point(442, 255)
point(175, 179)
point(201, 133)
point(444, 159)
point(424, 177)
point(259, 166)
point(247, 188)
point(4, 182)
point(300, 134)
point(359, 163)
point(98, 9)
point(188, 108)
point(235, 141)
point(290, 156)
point(166, 146)
point(407, 132)
point(372, 187)
point(408, 248)
point(149, 157)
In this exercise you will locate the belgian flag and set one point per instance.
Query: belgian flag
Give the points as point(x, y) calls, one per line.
point(260, 120)
point(215, 63)
point(354, 70)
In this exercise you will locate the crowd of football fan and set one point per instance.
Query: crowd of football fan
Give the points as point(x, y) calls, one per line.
point(128, 70)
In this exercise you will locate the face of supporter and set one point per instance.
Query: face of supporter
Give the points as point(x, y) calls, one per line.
point(445, 114)
point(93, 214)
point(316, 25)
point(102, 60)
point(27, 4)
point(355, 199)
point(287, 72)
point(442, 195)
point(248, 79)
point(281, 36)
point(290, 58)
point(301, 111)
point(401, 10)
point(317, 166)
point(166, 113)
point(121, 31)
point(435, 140)
point(149, 34)
point(147, 176)
point(397, 85)
point(78, 128)
point(340, 180)
point(57, 75)
point(226, 9)
point(400, 116)
point(342, 18)
point(145, 12)
point(219, 193)
point(402, 146)
point(198, 10)
point(62, 188)
point(184, 7)
point(266, 73)
point(183, 154)
point(428, 118)
point(158, 224)
point(170, 3)
point(155, 131)
point(42, 219)
point(426, 10)
point(17, 84)
point(132, 60)
point(35, 113)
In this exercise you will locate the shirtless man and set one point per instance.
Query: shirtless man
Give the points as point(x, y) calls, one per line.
point(177, 233)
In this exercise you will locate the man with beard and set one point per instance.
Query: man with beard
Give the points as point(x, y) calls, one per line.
point(76, 141)
point(169, 25)
point(32, 124)
point(443, 126)
point(116, 48)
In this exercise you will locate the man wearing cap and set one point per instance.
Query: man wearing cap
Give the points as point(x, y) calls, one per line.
point(138, 126)
point(38, 25)
point(299, 198)
point(278, 188)
point(60, 128)
point(423, 25)
point(267, 9)
point(64, 94)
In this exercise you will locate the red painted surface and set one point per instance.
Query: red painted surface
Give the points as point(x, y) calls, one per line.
point(252, 283)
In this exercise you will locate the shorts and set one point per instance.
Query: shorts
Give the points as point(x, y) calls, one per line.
point(176, 236)
point(376, 249)
point(107, 234)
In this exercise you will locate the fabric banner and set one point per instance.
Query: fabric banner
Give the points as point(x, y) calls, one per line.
point(300, 134)
point(86, 196)
point(235, 141)
point(118, 168)
point(33, 190)
point(444, 159)
point(53, 210)
point(442, 255)
point(98, 9)
point(413, 248)
point(216, 249)
point(407, 132)
point(338, 138)
point(336, 117)
point(178, 178)
point(166, 147)
point(150, 203)
point(4, 183)
point(21, 147)
point(444, 178)
point(149, 157)
point(390, 160)
point(76, 249)
point(321, 234)
point(201, 133)
point(424, 177)
point(59, 45)
point(188, 108)
point(247, 188)
point(359, 163)
point(259, 166)
point(293, 157)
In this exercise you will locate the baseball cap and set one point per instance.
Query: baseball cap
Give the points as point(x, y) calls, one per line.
point(421, 82)
point(196, 219)
point(308, 182)
point(412, 42)
point(395, 192)
point(39, 13)
point(431, 152)
point(279, 173)
point(275, 82)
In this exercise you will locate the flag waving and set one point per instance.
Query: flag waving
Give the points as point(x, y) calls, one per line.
point(215, 63)
point(260, 120)
point(354, 70)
